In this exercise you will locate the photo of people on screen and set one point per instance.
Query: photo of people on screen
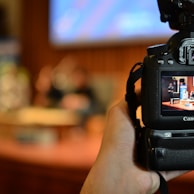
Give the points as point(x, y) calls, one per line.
point(170, 90)
point(178, 93)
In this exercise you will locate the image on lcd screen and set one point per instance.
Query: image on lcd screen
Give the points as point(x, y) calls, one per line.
point(177, 94)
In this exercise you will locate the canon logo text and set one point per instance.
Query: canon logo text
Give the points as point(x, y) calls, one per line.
point(188, 118)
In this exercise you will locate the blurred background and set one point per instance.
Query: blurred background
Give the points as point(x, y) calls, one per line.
point(62, 65)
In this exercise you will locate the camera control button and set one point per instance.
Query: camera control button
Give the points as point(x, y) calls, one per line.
point(170, 61)
point(161, 61)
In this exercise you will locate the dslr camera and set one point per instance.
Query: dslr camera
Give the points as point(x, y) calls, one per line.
point(166, 139)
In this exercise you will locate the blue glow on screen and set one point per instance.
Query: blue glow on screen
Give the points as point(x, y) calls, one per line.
point(90, 21)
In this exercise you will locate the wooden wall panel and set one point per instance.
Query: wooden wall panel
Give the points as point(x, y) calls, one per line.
point(37, 51)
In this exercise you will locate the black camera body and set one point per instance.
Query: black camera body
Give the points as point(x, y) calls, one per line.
point(163, 150)
point(166, 142)
point(161, 108)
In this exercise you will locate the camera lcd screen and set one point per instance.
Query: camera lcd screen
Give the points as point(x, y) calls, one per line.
point(177, 93)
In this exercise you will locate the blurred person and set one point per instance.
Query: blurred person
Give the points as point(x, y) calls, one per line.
point(67, 86)
point(81, 96)
point(51, 83)
point(42, 86)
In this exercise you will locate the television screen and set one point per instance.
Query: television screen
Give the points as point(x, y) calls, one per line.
point(74, 22)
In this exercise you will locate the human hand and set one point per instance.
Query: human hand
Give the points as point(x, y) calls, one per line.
point(115, 170)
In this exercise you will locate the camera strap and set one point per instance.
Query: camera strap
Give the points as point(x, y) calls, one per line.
point(131, 99)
